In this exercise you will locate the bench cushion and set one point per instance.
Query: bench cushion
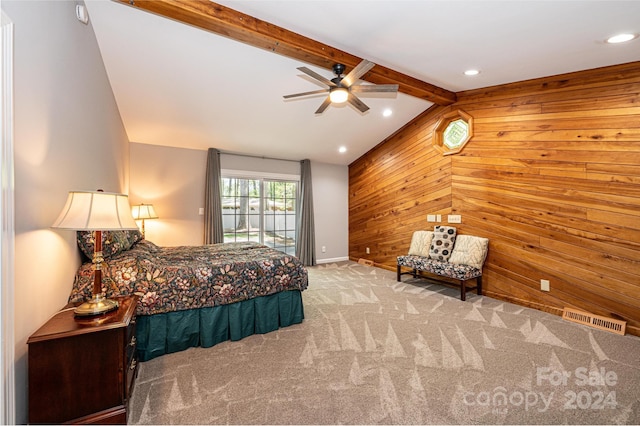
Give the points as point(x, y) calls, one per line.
point(470, 250)
point(451, 270)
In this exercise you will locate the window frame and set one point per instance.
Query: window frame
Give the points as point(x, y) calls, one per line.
point(441, 127)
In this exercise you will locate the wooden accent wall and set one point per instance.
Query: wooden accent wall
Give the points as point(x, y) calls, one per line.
point(551, 177)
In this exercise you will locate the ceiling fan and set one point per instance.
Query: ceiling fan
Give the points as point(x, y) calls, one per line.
point(343, 89)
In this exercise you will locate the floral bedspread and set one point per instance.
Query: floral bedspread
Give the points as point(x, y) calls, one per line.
point(188, 277)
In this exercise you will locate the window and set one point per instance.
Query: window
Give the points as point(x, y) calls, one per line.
point(452, 132)
point(260, 209)
point(279, 200)
point(456, 134)
point(241, 209)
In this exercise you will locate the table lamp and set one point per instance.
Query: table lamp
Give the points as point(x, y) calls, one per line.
point(96, 211)
point(142, 212)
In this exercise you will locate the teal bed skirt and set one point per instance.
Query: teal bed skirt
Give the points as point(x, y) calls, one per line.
point(161, 334)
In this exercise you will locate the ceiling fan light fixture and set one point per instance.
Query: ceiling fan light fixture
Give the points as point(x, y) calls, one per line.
point(338, 95)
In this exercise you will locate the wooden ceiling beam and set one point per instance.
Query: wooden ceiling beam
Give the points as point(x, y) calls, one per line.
point(230, 23)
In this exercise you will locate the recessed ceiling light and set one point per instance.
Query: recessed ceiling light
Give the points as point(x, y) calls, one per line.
point(621, 38)
point(387, 112)
point(342, 149)
point(471, 72)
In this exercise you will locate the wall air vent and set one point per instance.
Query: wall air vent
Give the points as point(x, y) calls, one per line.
point(595, 321)
point(365, 262)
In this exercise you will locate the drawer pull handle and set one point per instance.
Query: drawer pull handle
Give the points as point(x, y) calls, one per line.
point(133, 365)
point(133, 341)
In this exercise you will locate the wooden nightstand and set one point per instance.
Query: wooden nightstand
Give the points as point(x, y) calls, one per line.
point(83, 370)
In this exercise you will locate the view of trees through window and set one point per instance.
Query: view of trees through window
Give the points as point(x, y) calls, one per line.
point(260, 210)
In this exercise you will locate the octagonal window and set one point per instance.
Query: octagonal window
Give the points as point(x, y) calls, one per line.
point(452, 132)
point(456, 134)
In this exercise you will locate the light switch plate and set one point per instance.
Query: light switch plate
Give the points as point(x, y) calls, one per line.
point(431, 218)
point(454, 218)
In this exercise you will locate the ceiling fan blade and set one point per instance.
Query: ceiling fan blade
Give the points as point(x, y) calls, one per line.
point(317, 76)
point(356, 102)
point(314, 92)
point(324, 105)
point(362, 88)
point(360, 70)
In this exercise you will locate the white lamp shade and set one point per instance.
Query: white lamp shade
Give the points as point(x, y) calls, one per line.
point(96, 211)
point(144, 211)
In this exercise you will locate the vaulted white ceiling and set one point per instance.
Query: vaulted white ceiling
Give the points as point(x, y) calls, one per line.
point(176, 85)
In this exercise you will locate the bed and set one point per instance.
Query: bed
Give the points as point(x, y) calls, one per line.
point(195, 295)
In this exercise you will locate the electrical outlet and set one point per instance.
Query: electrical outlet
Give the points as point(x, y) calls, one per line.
point(368, 251)
point(544, 285)
point(324, 249)
point(201, 211)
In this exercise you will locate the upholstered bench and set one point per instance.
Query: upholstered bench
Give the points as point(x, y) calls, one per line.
point(441, 252)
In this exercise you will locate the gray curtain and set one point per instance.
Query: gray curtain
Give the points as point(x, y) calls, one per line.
point(305, 230)
point(213, 231)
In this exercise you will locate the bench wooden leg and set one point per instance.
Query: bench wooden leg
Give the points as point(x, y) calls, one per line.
point(399, 272)
point(479, 285)
point(463, 290)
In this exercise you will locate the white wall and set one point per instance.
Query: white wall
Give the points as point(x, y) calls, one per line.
point(172, 179)
point(68, 135)
point(331, 211)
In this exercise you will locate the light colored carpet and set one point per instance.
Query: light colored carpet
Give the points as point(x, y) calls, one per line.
point(375, 351)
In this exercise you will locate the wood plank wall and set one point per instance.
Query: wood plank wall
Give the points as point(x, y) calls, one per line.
point(551, 176)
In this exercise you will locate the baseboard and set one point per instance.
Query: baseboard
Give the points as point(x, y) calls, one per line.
point(333, 260)
point(377, 265)
point(527, 303)
point(545, 308)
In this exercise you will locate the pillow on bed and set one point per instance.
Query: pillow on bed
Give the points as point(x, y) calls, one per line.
point(113, 242)
point(134, 237)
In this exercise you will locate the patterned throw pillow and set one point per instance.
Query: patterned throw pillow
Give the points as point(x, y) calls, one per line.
point(470, 250)
point(444, 238)
point(113, 242)
point(420, 243)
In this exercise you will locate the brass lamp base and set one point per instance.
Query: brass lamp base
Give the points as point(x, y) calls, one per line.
point(97, 305)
